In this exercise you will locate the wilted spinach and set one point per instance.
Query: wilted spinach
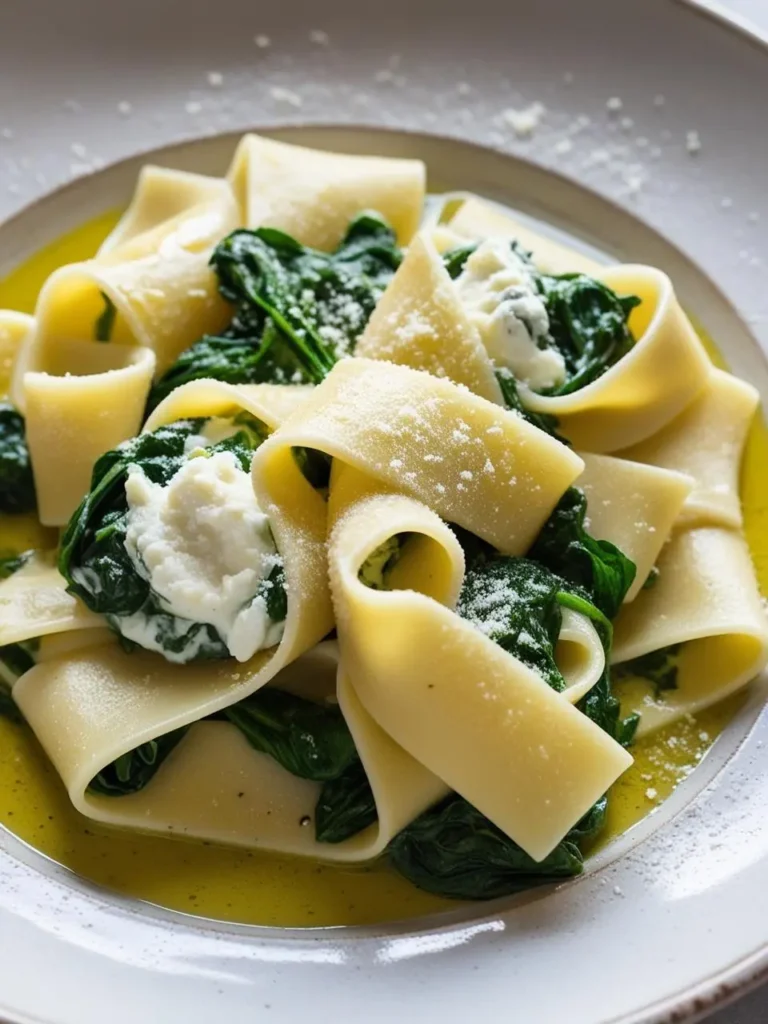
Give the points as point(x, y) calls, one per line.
point(105, 323)
point(17, 485)
point(346, 806)
point(132, 771)
point(96, 565)
point(308, 739)
point(588, 323)
point(296, 310)
point(597, 566)
point(659, 668)
point(514, 602)
point(543, 420)
point(452, 850)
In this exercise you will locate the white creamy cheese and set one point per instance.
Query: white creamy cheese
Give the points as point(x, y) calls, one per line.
point(500, 298)
point(204, 546)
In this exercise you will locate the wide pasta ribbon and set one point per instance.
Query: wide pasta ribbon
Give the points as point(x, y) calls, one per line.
point(473, 462)
point(491, 728)
point(633, 506)
point(706, 441)
point(420, 322)
point(705, 615)
point(313, 195)
point(411, 432)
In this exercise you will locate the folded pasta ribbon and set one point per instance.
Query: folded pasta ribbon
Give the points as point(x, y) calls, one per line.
point(699, 634)
point(473, 462)
point(103, 327)
point(480, 720)
point(632, 400)
point(706, 441)
point(313, 195)
point(420, 322)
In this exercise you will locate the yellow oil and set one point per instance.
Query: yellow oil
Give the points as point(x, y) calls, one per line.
point(260, 888)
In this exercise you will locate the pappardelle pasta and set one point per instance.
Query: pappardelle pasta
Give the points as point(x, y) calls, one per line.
point(382, 534)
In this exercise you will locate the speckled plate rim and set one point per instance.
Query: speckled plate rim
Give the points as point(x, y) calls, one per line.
point(443, 936)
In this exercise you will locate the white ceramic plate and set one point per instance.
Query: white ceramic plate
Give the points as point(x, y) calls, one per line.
point(671, 919)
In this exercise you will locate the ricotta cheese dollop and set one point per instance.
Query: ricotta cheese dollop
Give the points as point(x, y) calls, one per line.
point(499, 295)
point(205, 547)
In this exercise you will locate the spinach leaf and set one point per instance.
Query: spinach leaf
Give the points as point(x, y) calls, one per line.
point(105, 324)
point(15, 660)
point(652, 578)
point(588, 323)
point(346, 806)
point(455, 260)
point(17, 485)
point(132, 771)
point(296, 310)
point(453, 850)
point(657, 667)
point(373, 572)
point(9, 564)
point(514, 602)
point(308, 739)
point(543, 420)
point(97, 567)
point(596, 566)
point(315, 466)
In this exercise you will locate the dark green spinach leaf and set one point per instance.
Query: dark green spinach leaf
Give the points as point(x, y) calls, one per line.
point(454, 851)
point(588, 323)
point(514, 602)
point(596, 566)
point(17, 485)
point(132, 771)
point(308, 739)
point(105, 324)
point(659, 668)
point(346, 806)
point(296, 310)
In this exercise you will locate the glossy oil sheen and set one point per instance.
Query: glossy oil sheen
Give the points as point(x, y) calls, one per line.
point(262, 888)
